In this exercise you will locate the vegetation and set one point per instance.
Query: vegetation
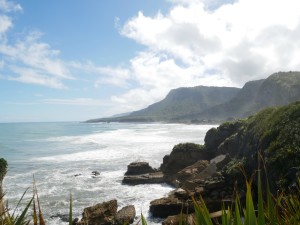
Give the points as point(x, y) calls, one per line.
point(273, 131)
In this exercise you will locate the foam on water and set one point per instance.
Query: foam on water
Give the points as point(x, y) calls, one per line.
point(62, 150)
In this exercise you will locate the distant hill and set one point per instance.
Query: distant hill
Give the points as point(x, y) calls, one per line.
point(278, 89)
point(179, 102)
point(204, 104)
point(183, 101)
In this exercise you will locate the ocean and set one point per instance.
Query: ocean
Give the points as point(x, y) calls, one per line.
point(62, 156)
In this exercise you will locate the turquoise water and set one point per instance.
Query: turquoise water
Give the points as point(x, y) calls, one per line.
point(55, 152)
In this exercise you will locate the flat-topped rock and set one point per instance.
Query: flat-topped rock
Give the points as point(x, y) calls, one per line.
point(138, 168)
point(149, 178)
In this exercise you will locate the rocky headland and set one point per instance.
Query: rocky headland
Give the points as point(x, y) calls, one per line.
point(217, 169)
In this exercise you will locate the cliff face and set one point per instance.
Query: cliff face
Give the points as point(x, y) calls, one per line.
point(185, 101)
point(278, 89)
point(274, 133)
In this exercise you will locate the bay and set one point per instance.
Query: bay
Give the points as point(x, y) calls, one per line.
point(61, 156)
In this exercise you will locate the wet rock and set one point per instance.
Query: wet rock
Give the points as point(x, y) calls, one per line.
point(95, 173)
point(125, 216)
point(62, 217)
point(138, 168)
point(150, 178)
point(102, 213)
point(77, 175)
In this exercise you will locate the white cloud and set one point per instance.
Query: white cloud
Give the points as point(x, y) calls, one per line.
point(8, 6)
point(118, 76)
point(32, 61)
point(32, 76)
point(5, 24)
point(211, 43)
point(29, 60)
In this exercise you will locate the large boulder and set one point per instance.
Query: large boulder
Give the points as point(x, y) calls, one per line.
point(137, 168)
point(168, 206)
point(106, 214)
point(100, 214)
point(183, 155)
point(125, 216)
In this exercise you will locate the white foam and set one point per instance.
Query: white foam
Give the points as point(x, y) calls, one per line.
point(107, 151)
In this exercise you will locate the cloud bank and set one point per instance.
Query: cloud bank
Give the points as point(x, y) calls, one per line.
point(210, 43)
point(197, 42)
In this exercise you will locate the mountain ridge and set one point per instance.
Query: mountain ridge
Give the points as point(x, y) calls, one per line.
point(216, 104)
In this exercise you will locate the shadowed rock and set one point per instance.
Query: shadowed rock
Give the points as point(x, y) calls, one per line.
point(125, 215)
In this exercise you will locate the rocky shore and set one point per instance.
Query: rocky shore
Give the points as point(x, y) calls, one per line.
point(219, 168)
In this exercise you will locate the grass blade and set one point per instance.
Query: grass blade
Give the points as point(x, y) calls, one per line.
point(20, 201)
point(250, 217)
point(20, 220)
point(261, 216)
point(144, 222)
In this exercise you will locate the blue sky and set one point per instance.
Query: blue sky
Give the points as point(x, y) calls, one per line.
point(76, 60)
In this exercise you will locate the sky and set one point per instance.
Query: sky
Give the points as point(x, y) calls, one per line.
point(83, 59)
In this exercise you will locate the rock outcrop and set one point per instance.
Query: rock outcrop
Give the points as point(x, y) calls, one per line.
point(138, 168)
point(142, 173)
point(106, 214)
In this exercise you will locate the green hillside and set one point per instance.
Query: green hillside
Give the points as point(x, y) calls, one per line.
point(203, 104)
point(274, 132)
point(278, 89)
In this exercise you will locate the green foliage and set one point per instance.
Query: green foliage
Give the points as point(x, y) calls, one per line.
point(3, 168)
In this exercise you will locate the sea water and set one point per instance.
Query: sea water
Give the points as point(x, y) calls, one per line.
point(62, 157)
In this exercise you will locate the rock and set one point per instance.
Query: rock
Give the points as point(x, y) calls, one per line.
point(150, 178)
point(102, 213)
point(165, 207)
point(220, 161)
point(77, 175)
point(125, 216)
point(174, 220)
point(192, 171)
point(215, 136)
point(183, 155)
point(62, 217)
point(138, 168)
point(95, 173)
point(181, 194)
point(75, 221)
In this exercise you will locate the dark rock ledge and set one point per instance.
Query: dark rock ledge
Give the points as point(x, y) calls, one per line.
point(142, 173)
